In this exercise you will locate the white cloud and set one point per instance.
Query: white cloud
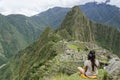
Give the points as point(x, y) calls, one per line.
point(32, 7)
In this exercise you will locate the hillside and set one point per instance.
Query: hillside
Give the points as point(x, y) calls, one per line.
point(52, 60)
point(102, 13)
point(77, 26)
point(18, 31)
point(10, 40)
point(55, 51)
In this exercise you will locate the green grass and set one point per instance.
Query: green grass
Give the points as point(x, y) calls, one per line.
point(74, 47)
point(76, 76)
point(104, 61)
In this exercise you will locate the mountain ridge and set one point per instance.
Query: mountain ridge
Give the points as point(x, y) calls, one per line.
point(53, 48)
point(20, 31)
point(92, 31)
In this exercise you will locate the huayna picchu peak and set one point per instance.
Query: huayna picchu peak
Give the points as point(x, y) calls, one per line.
point(79, 27)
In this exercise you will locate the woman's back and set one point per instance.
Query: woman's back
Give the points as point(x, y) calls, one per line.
point(89, 71)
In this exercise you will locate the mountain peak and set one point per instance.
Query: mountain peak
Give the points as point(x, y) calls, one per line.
point(76, 25)
point(72, 16)
point(77, 10)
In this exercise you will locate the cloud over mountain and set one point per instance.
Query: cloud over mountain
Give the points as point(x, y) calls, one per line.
point(32, 7)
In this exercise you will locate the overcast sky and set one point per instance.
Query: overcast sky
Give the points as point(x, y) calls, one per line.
point(32, 7)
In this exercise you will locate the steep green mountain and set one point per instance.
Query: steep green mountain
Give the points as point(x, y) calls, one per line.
point(79, 27)
point(59, 52)
point(8, 38)
point(18, 31)
point(25, 26)
point(49, 57)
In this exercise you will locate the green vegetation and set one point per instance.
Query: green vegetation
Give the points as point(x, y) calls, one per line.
point(76, 76)
point(74, 47)
point(55, 51)
point(81, 28)
point(15, 34)
point(18, 31)
point(104, 61)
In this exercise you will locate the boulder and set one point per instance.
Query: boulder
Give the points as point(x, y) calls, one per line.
point(113, 69)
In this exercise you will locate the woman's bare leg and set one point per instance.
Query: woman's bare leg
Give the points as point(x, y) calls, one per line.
point(81, 70)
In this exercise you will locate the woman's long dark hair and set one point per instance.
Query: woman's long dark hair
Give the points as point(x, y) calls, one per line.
point(91, 57)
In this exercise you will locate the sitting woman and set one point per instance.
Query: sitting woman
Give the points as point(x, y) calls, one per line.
point(90, 66)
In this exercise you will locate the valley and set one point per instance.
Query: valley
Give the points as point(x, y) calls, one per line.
point(50, 46)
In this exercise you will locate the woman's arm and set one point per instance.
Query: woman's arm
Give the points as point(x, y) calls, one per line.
point(85, 68)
